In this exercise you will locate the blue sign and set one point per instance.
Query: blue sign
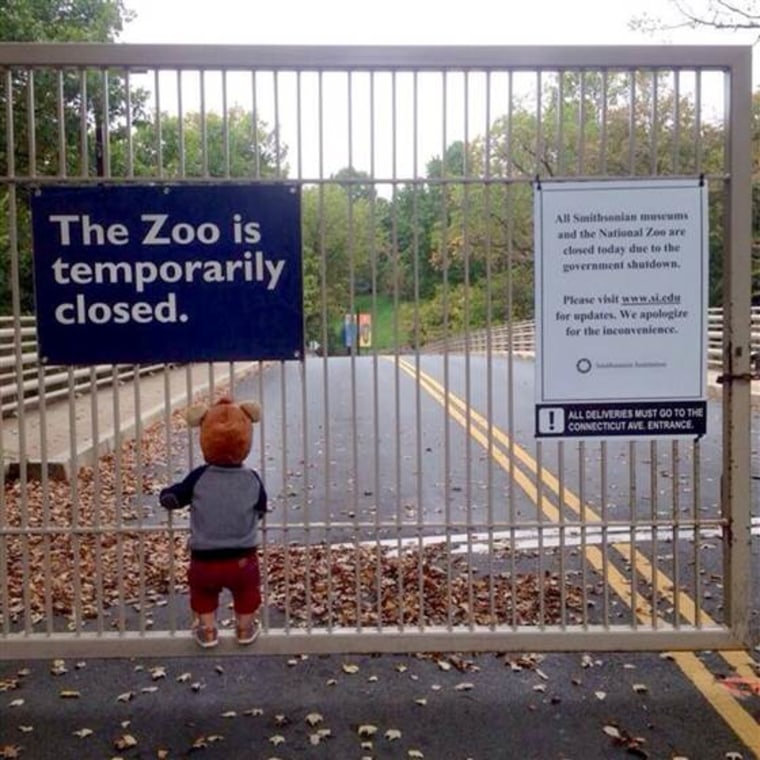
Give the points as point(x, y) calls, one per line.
point(180, 273)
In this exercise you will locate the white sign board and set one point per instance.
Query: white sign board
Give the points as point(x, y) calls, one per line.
point(621, 307)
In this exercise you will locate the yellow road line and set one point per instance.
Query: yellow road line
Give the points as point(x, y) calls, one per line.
point(731, 711)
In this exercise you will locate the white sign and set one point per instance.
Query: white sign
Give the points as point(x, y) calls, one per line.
point(621, 293)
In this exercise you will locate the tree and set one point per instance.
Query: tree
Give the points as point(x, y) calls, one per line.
point(45, 21)
point(713, 14)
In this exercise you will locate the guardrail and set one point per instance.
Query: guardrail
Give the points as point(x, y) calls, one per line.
point(521, 337)
point(24, 381)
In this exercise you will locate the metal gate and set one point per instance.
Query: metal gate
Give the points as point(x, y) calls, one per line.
point(412, 508)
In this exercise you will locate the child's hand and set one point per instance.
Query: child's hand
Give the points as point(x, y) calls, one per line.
point(168, 500)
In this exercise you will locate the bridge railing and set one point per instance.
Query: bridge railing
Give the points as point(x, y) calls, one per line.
point(521, 337)
point(24, 380)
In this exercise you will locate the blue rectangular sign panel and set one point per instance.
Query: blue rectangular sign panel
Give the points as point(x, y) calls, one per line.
point(173, 273)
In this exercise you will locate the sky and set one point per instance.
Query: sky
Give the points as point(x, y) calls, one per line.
point(392, 22)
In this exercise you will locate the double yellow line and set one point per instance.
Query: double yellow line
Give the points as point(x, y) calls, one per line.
point(501, 448)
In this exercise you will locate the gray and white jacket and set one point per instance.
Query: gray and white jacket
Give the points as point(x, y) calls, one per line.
point(226, 504)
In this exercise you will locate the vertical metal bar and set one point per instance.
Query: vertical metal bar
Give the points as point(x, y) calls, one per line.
point(305, 394)
point(168, 441)
point(419, 464)
point(582, 124)
point(676, 121)
point(735, 486)
point(287, 569)
point(604, 497)
point(539, 445)
point(96, 500)
point(633, 519)
point(446, 371)
point(605, 122)
point(130, 168)
point(584, 529)
point(632, 122)
point(655, 125)
point(159, 128)
point(653, 497)
point(351, 242)
point(489, 255)
point(676, 525)
point(181, 129)
point(61, 114)
point(255, 123)
point(203, 124)
point(138, 476)
point(75, 541)
point(225, 128)
point(398, 511)
point(375, 366)
point(325, 342)
point(466, 213)
point(15, 270)
point(276, 93)
point(696, 500)
point(511, 497)
point(540, 574)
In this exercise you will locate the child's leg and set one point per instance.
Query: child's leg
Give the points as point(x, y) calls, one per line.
point(204, 600)
point(246, 596)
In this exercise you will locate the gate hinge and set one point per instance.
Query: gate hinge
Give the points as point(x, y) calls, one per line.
point(745, 376)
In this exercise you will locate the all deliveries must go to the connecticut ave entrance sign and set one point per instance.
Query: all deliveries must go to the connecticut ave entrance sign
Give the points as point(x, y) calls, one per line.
point(621, 308)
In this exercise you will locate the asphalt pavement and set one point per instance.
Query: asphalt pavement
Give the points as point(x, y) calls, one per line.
point(434, 706)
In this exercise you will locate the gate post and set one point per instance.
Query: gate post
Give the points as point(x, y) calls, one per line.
point(735, 487)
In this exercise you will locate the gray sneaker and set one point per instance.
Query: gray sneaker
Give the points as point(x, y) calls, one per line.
point(206, 636)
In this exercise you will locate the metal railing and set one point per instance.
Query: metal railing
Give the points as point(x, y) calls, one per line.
point(24, 380)
point(521, 337)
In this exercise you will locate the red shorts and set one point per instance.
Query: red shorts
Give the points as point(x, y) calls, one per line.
point(240, 575)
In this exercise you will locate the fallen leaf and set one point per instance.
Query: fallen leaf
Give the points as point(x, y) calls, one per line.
point(158, 672)
point(314, 718)
point(443, 665)
point(229, 714)
point(125, 741)
point(392, 734)
point(10, 751)
point(612, 731)
point(281, 719)
point(601, 695)
point(416, 754)
point(184, 678)
point(277, 739)
point(466, 686)
point(350, 668)
point(421, 701)
point(26, 729)
point(366, 730)
point(83, 733)
point(254, 711)
point(16, 703)
point(149, 689)
point(70, 694)
point(58, 668)
point(640, 688)
point(125, 697)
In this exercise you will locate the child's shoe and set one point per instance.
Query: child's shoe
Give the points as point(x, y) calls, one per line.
point(247, 633)
point(206, 636)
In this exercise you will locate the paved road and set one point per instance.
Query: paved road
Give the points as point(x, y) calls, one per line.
point(481, 707)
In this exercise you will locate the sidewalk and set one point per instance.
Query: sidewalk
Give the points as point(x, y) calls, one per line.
point(46, 436)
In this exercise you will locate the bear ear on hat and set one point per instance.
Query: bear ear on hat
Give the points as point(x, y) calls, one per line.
point(195, 414)
point(252, 409)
